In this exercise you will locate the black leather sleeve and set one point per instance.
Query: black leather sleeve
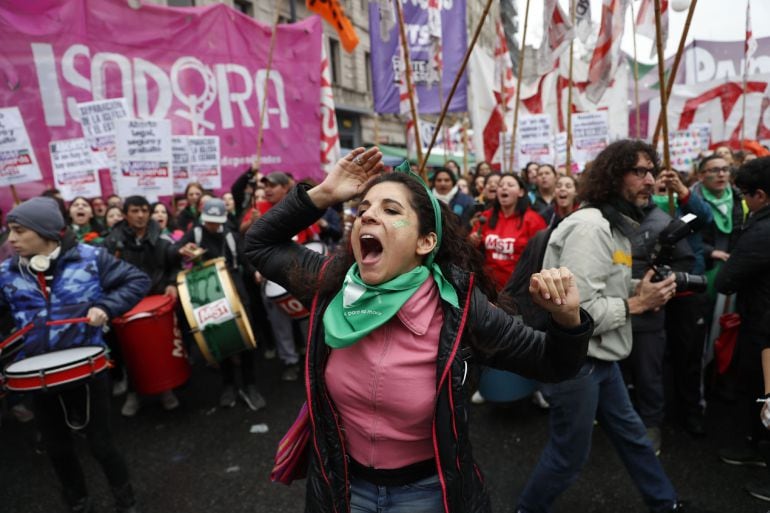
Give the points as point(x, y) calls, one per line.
point(503, 341)
point(270, 248)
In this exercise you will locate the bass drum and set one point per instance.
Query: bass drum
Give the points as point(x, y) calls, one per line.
point(214, 311)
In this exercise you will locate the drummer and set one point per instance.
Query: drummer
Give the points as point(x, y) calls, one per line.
point(139, 241)
point(213, 239)
point(53, 277)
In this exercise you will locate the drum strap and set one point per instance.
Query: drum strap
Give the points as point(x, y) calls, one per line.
point(75, 427)
point(229, 240)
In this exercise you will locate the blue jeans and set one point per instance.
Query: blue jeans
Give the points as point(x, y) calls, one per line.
point(422, 496)
point(596, 392)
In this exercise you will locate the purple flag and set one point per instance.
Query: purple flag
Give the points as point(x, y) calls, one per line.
point(386, 59)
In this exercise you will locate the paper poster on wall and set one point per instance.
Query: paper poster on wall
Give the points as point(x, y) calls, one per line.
point(74, 171)
point(17, 158)
point(590, 135)
point(144, 157)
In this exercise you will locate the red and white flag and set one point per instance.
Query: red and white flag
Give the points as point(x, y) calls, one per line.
point(605, 57)
point(645, 22)
point(751, 41)
point(330, 136)
point(505, 83)
point(558, 31)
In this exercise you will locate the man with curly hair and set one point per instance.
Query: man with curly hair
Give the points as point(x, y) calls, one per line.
point(595, 242)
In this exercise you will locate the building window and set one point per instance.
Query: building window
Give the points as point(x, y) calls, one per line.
point(368, 70)
point(245, 6)
point(334, 61)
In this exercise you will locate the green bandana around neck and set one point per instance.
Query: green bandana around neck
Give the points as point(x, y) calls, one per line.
point(661, 201)
point(722, 209)
point(360, 308)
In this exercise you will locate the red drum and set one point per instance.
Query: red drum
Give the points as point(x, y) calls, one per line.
point(55, 369)
point(288, 303)
point(281, 297)
point(152, 345)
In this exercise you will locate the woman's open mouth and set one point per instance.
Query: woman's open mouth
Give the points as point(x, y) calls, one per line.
point(371, 249)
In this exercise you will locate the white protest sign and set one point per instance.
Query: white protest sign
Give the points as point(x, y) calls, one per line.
point(74, 171)
point(590, 135)
point(196, 159)
point(180, 158)
point(535, 139)
point(98, 121)
point(204, 161)
point(560, 148)
point(144, 157)
point(17, 158)
point(684, 149)
point(703, 130)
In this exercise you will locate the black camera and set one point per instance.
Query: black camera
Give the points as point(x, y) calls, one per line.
point(663, 252)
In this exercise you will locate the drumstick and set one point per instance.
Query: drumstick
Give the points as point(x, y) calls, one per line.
point(23, 331)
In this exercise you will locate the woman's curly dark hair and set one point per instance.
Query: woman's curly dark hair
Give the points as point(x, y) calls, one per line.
point(455, 249)
point(604, 178)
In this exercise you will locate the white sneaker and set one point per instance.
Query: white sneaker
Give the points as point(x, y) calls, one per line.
point(539, 400)
point(120, 387)
point(169, 400)
point(477, 398)
point(22, 413)
point(131, 406)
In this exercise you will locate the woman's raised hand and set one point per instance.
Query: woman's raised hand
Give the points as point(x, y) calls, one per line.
point(555, 291)
point(349, 177)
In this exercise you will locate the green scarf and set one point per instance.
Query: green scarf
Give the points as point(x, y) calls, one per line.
point(661, 201)
point(723, 219)
point(360, 308)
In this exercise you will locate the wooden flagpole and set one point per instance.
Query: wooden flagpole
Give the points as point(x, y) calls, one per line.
point(675, 66)
point(410, 89)
point(456, 82)
point(518, 87)
point(636, 76)
point(663, 103)
point(569, 92)
point(263, 107)
point(465, 145)
point(15, 194)
point(745, 78)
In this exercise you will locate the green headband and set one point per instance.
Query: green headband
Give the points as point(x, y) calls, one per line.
point(406, 168)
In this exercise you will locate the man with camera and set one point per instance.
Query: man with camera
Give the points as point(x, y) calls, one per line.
point(596, 243)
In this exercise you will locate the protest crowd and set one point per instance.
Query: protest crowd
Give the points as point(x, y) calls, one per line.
point(608, 280)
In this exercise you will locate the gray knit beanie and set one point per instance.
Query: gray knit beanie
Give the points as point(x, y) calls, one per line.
point(41, 215)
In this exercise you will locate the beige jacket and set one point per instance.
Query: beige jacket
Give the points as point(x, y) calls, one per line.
point(600, 259)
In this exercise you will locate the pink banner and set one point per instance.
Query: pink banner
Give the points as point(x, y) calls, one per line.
point(202, 68)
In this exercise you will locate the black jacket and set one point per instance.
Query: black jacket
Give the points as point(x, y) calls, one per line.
point(151, 254)
point(747, 272)
point(496, 338)
point(680, 258)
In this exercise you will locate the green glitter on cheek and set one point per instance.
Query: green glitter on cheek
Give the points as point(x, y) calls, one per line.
point(401, 223)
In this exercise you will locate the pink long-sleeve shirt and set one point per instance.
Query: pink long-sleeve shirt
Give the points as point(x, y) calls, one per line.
point(384, 385)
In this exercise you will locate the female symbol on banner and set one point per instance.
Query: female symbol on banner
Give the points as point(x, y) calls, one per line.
point(198, 105)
